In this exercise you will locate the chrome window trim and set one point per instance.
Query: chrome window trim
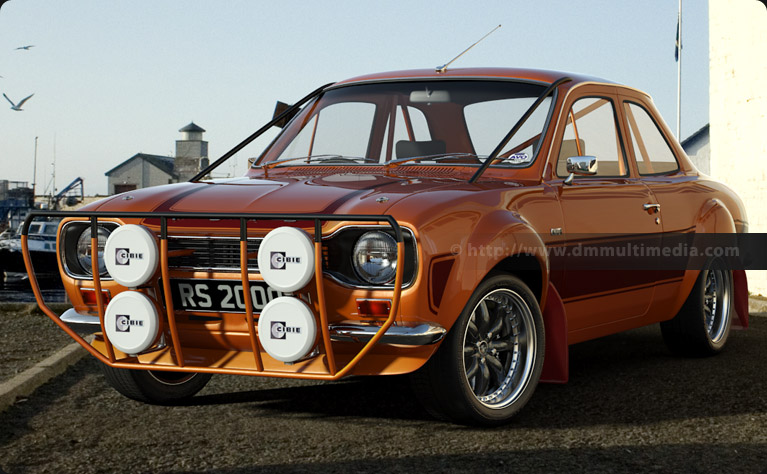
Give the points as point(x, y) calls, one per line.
point(426, 78)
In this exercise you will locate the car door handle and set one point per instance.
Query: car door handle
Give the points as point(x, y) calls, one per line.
point(653, 208)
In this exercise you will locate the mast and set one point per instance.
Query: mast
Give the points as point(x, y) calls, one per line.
point(53, 177)
point(679, 72)
point(34, 172)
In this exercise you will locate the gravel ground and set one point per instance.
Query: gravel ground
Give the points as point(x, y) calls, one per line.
point(27, 336)
point(629, 406)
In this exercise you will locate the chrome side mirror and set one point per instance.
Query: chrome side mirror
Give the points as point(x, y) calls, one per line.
point(580, 165)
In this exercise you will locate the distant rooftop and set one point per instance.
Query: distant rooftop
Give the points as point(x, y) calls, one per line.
point(165, 163)
point(192, 127)
point(702, 133)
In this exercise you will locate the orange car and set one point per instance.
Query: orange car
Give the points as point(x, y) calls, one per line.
point(404, 223)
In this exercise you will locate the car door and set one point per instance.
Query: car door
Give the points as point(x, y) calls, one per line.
point(607, 209)
point(649, 145)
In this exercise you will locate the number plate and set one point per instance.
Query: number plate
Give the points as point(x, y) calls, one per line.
point(217, 296)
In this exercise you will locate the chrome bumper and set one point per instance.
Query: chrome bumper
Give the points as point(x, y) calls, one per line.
point(80, 322)
point(421, 335)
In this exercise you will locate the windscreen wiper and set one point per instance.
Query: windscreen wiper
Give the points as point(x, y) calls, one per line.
point(517, 126)
point(319, 158)
point(441, 156)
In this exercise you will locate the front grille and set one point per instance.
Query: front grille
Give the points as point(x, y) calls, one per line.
point(211, 253)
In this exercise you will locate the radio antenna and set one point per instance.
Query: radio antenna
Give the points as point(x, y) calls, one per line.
point(443, 68)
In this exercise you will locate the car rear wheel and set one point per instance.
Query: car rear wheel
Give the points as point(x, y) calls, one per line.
point(155, 387)
point(702, 325)
point(489, 364)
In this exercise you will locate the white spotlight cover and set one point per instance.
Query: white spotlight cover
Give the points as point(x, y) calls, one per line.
point(286, 259)
point(132, 322)
point(287, 329)
point(131, 255)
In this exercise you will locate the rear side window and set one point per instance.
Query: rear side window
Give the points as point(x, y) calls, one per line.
point(652, 153)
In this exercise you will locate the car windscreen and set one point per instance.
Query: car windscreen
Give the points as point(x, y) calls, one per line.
point(447, 121)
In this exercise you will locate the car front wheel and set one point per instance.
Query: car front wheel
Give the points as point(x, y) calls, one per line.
point(155, 387)
point(489, 364)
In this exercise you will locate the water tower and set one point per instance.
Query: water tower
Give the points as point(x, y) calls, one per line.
point(191, 152)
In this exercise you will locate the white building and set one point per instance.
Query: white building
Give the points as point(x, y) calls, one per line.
point(738, 108)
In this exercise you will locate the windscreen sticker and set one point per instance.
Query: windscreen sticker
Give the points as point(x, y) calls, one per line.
point(518, 158)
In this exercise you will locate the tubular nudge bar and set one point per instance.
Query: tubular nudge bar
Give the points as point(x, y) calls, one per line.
point(333, 372)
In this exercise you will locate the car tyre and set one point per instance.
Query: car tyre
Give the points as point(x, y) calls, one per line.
point(702, 325)
point(489, 364)
point(155, 387)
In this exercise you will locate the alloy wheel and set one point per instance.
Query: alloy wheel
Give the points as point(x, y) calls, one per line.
point(499, 348)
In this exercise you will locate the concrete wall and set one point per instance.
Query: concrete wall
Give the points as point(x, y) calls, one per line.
point(188, 155)
point(738, 107)
point(138, 172)
point(700, 154)
point(126, 174)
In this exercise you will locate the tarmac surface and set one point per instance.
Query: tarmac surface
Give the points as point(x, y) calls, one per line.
point(27, 336)
point(629, 406)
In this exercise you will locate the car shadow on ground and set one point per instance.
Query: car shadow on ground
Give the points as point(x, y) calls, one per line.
point(385, 397)
point(624, 378)
point(630, 405)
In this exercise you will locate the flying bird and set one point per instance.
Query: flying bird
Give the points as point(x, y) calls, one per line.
point(17, 107)
point(26, 48)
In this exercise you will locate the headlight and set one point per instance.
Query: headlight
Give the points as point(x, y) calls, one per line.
point(84, 250)
point(375, 257)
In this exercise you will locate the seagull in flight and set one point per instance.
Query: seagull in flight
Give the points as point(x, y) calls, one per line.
point(26, 48)
point(17, 107)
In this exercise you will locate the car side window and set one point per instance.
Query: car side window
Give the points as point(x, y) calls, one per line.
point(592, 130)
point(652, 152)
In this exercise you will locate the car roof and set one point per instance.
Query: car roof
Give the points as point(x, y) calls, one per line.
point(537, 75)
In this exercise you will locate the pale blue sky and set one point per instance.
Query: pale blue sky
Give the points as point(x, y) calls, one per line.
point(112, 79)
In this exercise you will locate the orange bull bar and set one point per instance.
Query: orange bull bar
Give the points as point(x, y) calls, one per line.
point(111, 358)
